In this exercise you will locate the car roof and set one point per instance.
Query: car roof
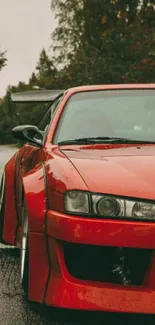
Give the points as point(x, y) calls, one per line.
point(111, 87)
point(36, 96)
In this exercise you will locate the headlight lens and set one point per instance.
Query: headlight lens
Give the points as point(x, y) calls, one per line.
point(77, 202)
point(106, 206)
point(144, 210)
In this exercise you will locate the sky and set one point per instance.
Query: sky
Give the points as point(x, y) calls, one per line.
point(25, 28)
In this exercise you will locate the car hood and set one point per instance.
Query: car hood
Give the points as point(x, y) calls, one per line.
point(125, 170)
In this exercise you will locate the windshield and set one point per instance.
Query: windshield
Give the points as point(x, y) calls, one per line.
point(114, 113)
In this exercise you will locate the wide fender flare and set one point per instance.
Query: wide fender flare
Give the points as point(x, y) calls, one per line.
point(35, 195)
point(10, 209)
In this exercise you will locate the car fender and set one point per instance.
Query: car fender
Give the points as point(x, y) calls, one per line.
point(34, 185)
point(10, 214)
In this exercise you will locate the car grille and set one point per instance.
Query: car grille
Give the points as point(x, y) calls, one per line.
point(107, 264)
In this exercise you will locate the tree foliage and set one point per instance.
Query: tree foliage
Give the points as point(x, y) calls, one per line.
point(2, 60)
point(67, 37)
point(115, 43)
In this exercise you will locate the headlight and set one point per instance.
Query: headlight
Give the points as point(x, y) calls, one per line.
point(144, 210)
point(113, 207)
point(77, 202)
point(106, 206)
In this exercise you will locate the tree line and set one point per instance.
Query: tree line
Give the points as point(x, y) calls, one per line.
point(95, 42)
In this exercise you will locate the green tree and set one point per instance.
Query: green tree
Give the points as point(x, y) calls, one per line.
point(45, 73)
point(67, 37)
point(33, 80)
point(2, 59)
point(102, 41)
point(44, 66)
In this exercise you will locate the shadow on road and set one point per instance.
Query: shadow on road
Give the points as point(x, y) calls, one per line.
point(91, 318)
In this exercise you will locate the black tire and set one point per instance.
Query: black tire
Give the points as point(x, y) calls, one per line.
point(25, 263)
point(2, 206)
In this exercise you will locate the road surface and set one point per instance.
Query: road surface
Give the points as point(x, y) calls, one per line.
point(15, 311)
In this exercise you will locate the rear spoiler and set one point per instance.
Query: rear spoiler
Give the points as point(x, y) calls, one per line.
point(35, 96)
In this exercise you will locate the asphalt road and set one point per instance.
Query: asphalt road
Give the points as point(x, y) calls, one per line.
point(14, 310)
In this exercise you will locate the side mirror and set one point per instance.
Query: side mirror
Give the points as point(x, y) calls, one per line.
point(28, 133)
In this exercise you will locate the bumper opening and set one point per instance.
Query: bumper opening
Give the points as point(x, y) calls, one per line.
point(115, 265)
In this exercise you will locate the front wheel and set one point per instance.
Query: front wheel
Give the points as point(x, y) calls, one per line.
point(24, 263)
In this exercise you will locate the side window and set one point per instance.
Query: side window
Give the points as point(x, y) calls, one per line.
point(48, 117)
point(45, 120)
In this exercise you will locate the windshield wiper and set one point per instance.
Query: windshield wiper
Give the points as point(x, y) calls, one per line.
point(94, 140)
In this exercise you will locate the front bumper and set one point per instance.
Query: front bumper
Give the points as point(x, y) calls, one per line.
point(67, 291)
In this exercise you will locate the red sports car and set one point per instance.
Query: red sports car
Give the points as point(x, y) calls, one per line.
point(78, 199)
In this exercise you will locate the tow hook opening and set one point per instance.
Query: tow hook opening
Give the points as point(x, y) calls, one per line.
point(117, 265)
